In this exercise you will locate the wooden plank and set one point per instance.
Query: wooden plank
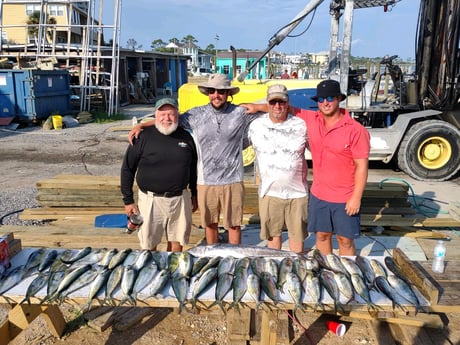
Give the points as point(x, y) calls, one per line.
point(5, 336)
point(104, 321)
point(238, 326)
point(420, 320)
point(416, 276)
point(55, 320)
point(382, 333)
point(134, 317)
point(454, 210)
point(410, 335)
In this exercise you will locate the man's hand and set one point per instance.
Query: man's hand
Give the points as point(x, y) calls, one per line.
point(134, 133)
point(131, 209)
point(352, 206)
point(194, 203)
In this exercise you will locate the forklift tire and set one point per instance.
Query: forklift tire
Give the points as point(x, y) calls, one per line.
point(430, 151)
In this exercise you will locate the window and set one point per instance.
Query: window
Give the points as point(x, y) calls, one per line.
point(56, 10)
point(226, 69)
point(75, 18)
point(238, 69)
point(32, 8)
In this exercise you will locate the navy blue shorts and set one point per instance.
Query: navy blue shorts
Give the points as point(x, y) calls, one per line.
point(326, 216)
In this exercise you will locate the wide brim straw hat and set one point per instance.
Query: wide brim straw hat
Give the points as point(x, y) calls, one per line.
point(219, 82)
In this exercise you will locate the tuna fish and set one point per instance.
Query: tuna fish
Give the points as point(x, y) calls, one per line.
point(144, 278)
point(365, 267)
point(393, 267)
point(294, 289)
point(223, 286)
point(253, 289)
point(127, 284)
point(198, 264)
point(378, 268)
point(345, 286)
point(119, 258)
point(405, 291)
point(351, 266)
point(361, 289)
point(327, 280)
point(384, 286)
point(11, 279)
point(70, 257)
point(286, 266)
point(48, 260)
point(268, 286)
point(114, 280)
point(313, 289)
point(335, 264)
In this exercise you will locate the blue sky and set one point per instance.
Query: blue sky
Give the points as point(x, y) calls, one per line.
point(250, 25)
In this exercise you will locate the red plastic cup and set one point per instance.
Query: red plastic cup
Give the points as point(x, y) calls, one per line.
point(336, 327)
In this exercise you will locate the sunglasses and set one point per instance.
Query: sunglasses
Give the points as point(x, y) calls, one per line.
point(274, 101)
point(328, 98)
point(219, 91)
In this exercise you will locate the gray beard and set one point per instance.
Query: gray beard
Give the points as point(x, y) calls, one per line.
point(167, 130)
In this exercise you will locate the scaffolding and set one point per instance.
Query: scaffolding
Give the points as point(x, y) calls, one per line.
point(92, 56)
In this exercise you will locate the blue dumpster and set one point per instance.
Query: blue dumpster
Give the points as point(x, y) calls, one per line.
point(28, 95)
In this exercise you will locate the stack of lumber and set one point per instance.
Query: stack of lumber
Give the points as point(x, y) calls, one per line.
point(78, 199)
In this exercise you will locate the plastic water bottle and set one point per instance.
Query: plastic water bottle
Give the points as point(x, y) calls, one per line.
point(439, 255)
point(134, 121)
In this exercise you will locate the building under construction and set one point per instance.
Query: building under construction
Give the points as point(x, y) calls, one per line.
point(72, 35)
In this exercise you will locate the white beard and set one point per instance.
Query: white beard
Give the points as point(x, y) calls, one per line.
point(166, 130)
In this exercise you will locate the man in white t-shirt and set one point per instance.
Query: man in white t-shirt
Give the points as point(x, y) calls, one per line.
point(279, 140)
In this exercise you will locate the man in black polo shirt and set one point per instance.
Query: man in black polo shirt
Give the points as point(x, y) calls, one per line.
point(163, 161)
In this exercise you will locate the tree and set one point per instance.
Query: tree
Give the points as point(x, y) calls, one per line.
point(210, 48)
point(189, 39)
point(33, 22)
point(132, 44)
point(158, 43)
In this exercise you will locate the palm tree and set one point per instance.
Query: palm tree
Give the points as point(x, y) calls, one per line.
point(34, 21)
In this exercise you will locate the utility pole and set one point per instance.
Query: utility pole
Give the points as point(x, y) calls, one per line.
point(215, 58)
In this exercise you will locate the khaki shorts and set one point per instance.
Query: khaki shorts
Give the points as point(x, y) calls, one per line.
point(169, 216)
point(276, 214)
point(226, 199)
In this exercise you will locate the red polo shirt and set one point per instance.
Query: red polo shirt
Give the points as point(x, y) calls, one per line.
point(333, 152)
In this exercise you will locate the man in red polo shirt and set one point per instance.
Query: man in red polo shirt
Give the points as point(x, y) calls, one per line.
point(340, 150)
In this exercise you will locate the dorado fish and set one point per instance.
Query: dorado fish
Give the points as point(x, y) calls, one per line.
point(240, 282)
point(11, 279)
point(180, 287)
point(68, 279)
point(198, 264)
point(144, 278)
point(119, 258)
point(109, 254)
point(35, 286)
point(159, 282)
point(160, 260)
point(84, 279)
point(54, 279)
point(223, 286)
point(226, 265)
point(213, 262)
point(68, 257)
point(33, 261)
point(202, 284)
point(268, 286)
point(127, 284)
point(97, 285)
point(180, 264)
point(257, 265)
point(113, 282)
point(48, 260)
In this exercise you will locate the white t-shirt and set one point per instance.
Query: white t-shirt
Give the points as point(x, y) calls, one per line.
point(280, 156)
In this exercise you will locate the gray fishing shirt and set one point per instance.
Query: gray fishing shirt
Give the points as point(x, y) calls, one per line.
point(218, 136)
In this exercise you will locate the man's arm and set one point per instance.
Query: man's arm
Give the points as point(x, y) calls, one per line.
point(253, 108)
point(137, 129)
point(361, 170)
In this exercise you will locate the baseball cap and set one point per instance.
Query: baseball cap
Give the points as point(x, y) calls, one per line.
point(163, 101)
point(277, 91)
